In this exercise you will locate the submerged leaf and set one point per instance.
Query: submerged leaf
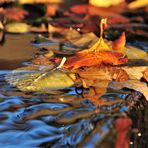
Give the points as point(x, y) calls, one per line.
point(35, 80)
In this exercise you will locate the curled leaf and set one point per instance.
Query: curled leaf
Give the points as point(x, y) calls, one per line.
point(119, 44)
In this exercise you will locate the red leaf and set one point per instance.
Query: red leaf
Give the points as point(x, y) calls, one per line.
point(14, 13)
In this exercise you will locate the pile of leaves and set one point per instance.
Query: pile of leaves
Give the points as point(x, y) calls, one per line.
point(97, 68)
point(81, 60)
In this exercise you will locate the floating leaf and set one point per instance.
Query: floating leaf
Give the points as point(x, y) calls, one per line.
point(134, 53)
point(97, 58)
point(35, 80)
point(97, 54)
point(17, 27)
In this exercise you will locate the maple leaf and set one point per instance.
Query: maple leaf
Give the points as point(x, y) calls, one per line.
point(99, 53)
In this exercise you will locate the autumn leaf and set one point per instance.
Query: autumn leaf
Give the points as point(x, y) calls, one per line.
point(92, 59)
point(97, 54)
point(38, 1)
point(17, 27)
point(51, 10)
point(137, 4)
point(16, 14)
point(102, 3)
point(119, 44)
point(145, 75)
point(41, 81)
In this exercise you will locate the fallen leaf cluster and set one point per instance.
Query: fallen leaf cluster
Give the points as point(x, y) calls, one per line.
point(97, 68)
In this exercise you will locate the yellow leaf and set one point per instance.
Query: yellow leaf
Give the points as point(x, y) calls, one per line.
point(134, 53)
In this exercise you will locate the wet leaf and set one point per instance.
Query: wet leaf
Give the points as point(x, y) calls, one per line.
point(119, 44)
point(134, 53)
point(15, 13)
point(145, 75)
point(97, 58)
point(97, 54)
point(17, 27)
point(35, 80)
point(135, 72)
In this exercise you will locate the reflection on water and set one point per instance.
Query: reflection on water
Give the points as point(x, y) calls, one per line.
point(43, 120)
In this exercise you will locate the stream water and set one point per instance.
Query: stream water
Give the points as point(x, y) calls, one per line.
point(67, 120)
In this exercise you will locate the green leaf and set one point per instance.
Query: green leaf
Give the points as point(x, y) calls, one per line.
point(35, 80)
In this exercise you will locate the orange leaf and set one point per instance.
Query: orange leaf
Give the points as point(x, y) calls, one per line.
point(14, 13)
point(99, 53)
point(97, 58)
point(51, 10)
point(119, 44)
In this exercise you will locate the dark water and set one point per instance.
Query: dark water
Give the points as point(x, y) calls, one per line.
point(68, 120)
point(42, 120)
